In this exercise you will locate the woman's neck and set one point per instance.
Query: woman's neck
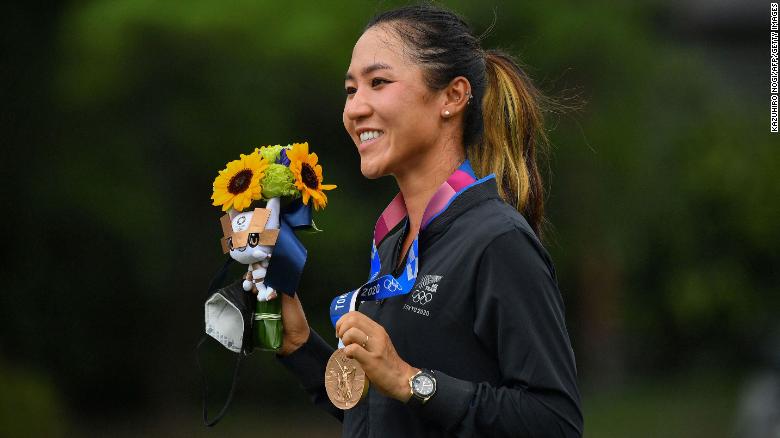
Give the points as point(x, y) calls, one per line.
point(418, 184)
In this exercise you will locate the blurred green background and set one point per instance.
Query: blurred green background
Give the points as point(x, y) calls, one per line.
point(663, 204)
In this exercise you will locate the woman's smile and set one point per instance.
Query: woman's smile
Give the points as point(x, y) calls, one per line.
point(369, 135)
point(368, 138)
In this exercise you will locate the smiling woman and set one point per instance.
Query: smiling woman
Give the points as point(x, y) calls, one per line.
point(460, 329)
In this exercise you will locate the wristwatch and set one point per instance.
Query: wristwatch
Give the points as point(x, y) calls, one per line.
point(422, 386)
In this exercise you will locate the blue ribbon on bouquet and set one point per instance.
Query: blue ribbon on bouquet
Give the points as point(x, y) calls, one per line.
point(289, 256)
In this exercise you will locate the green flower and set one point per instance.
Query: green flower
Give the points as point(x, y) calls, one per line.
point(278, 181)
point(270, 153)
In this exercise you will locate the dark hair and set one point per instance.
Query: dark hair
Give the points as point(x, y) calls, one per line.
point(502, 132)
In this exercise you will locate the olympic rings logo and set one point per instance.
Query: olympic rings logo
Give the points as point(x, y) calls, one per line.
point(421, 297)
point(392, 285)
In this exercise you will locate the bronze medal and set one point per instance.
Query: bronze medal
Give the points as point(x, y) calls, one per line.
point(345, 380)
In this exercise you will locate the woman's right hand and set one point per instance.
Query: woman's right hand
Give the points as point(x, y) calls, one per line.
point(296, 329)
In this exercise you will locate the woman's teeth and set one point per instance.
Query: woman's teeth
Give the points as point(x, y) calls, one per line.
point(369, 135)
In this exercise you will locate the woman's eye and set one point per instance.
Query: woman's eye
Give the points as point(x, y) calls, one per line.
point(374, 82)
point(377, 81)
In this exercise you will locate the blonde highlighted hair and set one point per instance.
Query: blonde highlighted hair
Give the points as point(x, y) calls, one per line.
point(513, 128)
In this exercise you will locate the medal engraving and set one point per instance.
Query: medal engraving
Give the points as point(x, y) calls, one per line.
point(345, 380)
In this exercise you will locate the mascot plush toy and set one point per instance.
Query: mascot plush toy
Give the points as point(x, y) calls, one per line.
point(250, 236)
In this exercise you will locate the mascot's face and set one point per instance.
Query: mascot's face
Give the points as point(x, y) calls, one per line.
point(246, 237)
point(251, 252)
point(250, 236)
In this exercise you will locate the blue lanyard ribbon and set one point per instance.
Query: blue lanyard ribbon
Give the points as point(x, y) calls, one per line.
point(380, 288)
point(386, 286)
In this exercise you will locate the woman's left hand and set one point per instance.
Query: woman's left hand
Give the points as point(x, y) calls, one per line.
point(369, 344)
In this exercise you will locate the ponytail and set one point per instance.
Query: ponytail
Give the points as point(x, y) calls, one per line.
point(512, 128)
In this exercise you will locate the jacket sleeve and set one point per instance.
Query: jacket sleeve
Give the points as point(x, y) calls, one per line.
point(519, 318)
point(307, 363)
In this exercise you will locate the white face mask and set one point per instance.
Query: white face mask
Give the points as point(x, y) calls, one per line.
point(228, 317)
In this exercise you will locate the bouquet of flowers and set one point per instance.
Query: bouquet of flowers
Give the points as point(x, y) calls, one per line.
point(288, 180)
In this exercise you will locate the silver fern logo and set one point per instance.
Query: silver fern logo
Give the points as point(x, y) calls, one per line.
point(425, 289)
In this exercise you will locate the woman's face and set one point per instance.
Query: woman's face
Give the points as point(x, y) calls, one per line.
point(386, 94)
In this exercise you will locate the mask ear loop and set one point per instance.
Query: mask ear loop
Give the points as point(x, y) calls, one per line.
point(218, 279)
point(229, 399)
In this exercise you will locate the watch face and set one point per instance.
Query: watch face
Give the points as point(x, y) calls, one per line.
point(423, 385)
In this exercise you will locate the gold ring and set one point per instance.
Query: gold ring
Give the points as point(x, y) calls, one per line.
point(365, 342)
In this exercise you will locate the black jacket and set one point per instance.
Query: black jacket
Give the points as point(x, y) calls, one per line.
point(485, 316)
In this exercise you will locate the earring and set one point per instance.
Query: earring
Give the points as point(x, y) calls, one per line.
point(446, 113)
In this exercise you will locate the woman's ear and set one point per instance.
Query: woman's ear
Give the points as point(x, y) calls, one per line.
point(456, 97)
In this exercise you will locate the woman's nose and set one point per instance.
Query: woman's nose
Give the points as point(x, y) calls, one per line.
point(357, 107)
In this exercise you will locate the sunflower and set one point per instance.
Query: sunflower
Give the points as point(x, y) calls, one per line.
point(308, 175)
point(239, 183)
